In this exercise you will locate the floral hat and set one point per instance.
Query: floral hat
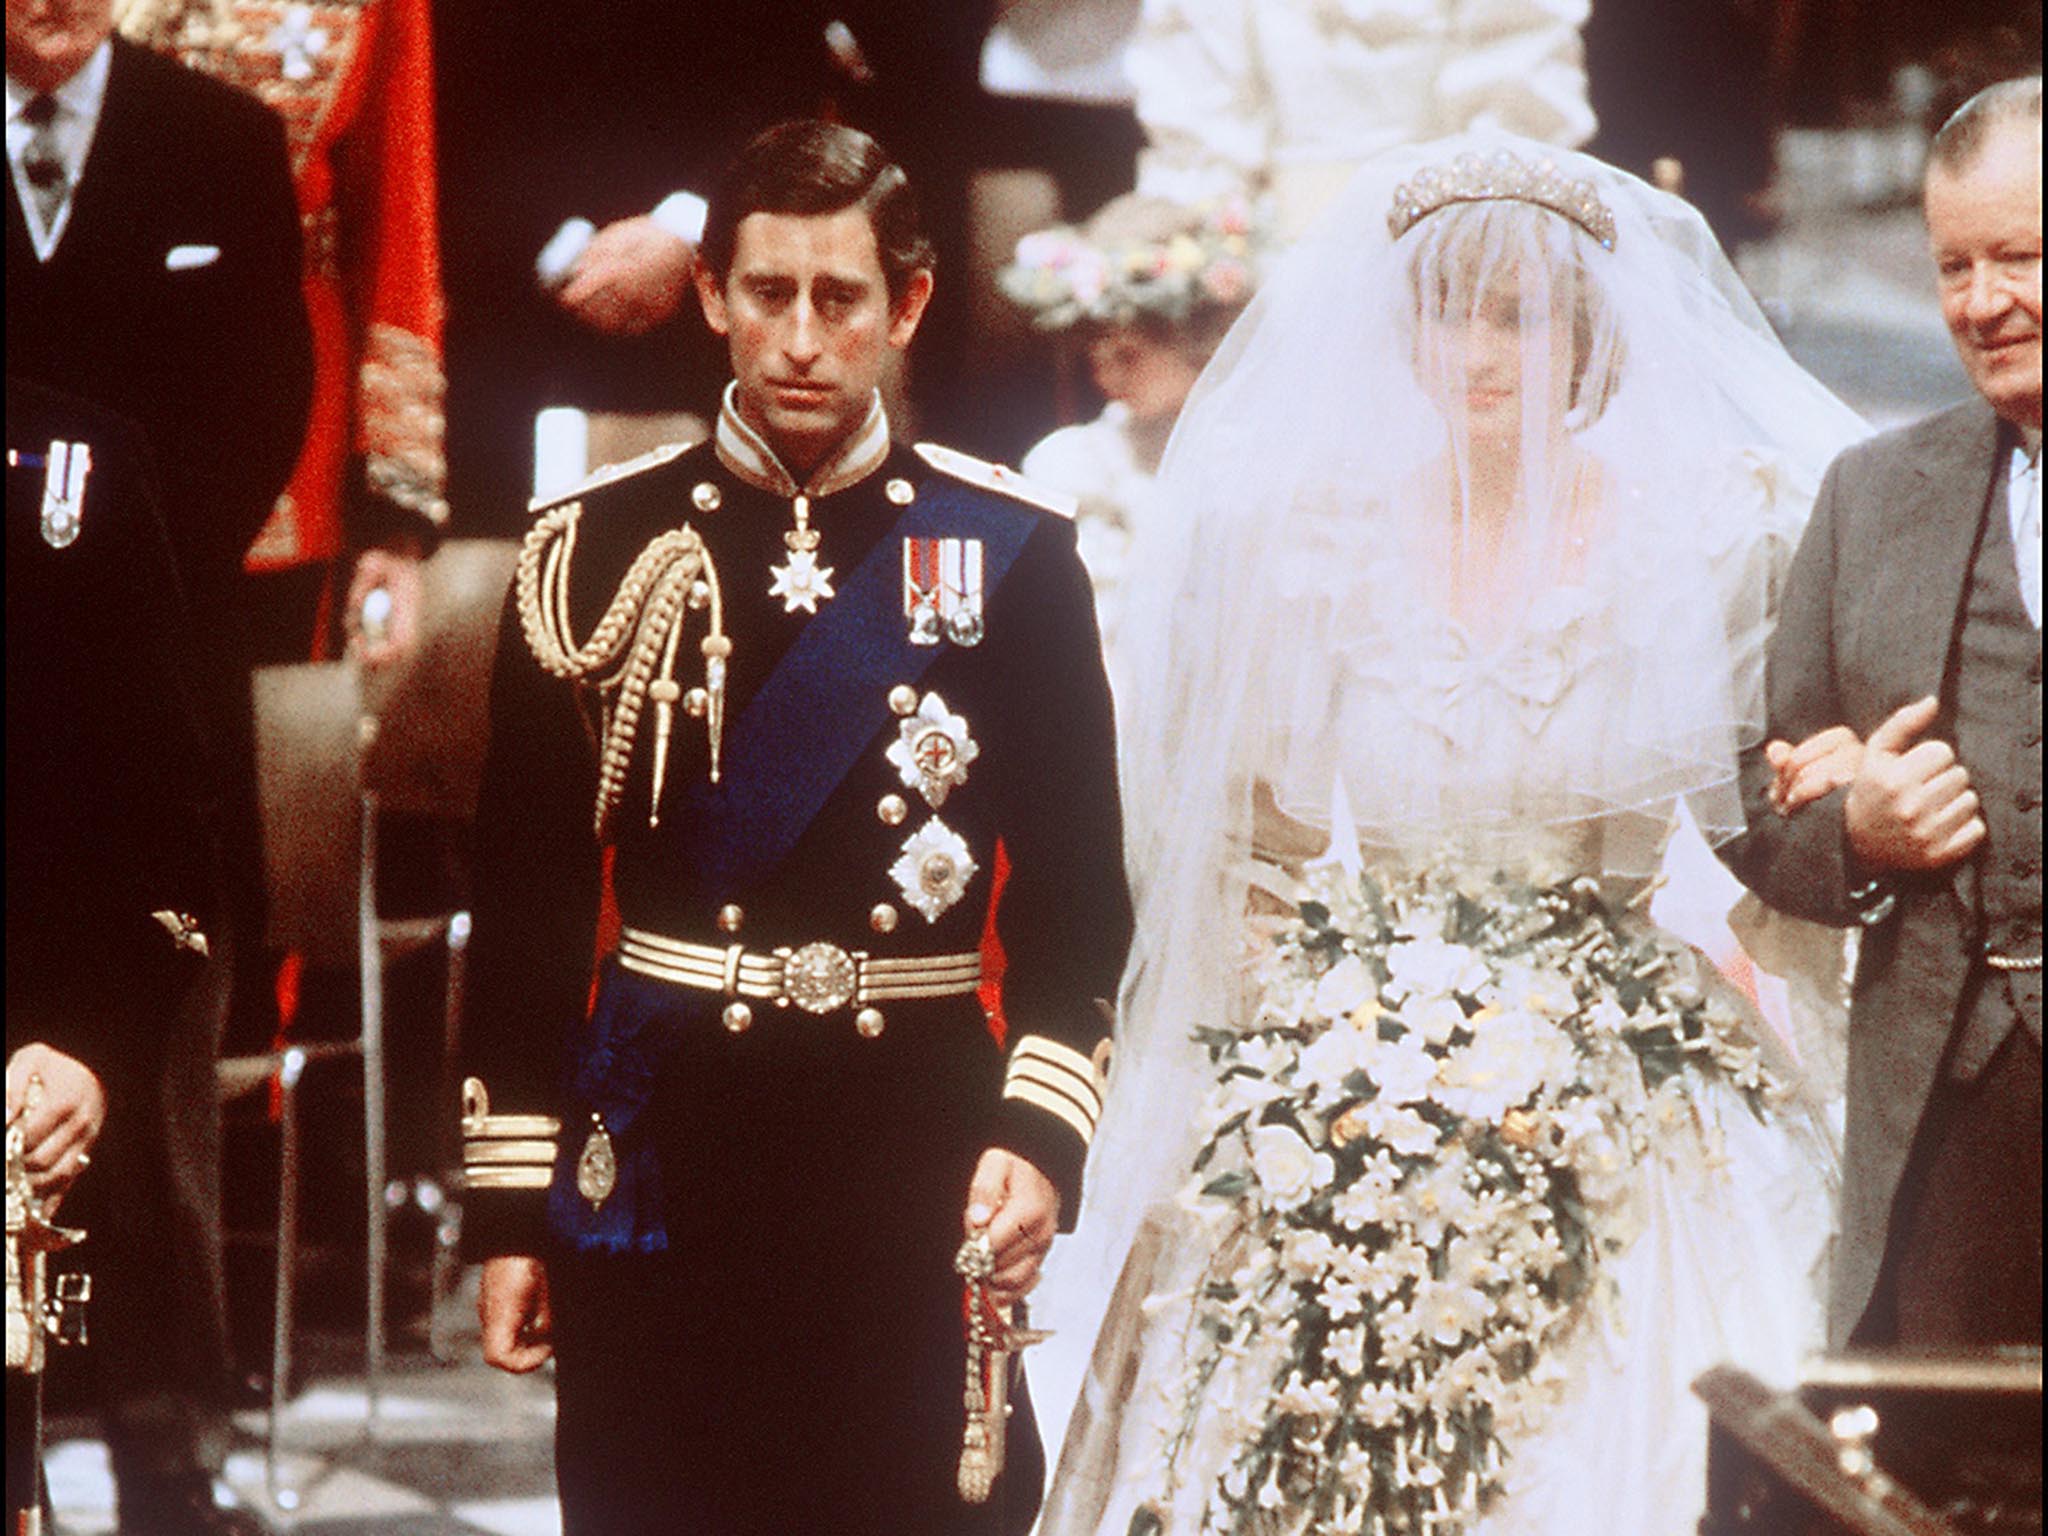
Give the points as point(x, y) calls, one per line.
point(1138, 257)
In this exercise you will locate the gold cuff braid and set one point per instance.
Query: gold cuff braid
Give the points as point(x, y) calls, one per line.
point(504, 1151)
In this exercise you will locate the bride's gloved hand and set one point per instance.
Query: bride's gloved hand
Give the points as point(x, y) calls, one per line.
point(1020, 1210)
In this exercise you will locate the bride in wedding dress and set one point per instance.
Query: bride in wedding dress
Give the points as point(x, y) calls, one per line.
point(1432, 1173)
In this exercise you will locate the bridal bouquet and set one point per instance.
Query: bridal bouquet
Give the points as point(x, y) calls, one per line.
point(1418, 1151)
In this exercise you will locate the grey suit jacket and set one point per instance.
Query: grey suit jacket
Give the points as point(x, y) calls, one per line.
point(1871, 610)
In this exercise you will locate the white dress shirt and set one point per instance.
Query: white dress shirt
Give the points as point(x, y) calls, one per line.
point(79, 100)
point(2023, 505)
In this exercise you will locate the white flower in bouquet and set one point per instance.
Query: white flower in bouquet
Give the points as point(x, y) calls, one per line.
point(1314, 1399)
point(1434, 968)
point(1379, 1405)
point(1306, 1253)
point(1333, 1056)
point(1343, 987)
point(1474, 1260)
point(1399, 1128)
point(1341, 1299)
point(1265, 1055)
point(1402, 1069)
point(1345, 1349)
point(1513, 1056)
point(1288, 1168)
point(1451, 1311)
point(1540, 991)
point(1436, 1200)
point(1435, 1019)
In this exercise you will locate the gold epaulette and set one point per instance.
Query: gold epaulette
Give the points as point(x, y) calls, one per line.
point(608, 474)
point(504, 1151)
point(999, 478)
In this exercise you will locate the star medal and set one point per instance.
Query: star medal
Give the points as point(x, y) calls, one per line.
point(64, 473)
point(800, 581)
point(934, 869)
point(932, 750)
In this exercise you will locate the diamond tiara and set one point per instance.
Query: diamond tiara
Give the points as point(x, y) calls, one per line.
point(1500, 176)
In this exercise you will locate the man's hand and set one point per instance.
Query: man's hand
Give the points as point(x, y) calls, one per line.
point(1818, 766)
point(512, 1305)
point(1910, 805)
point(381, 639)
point(1020, 1210)
point(59, 1128)
point(632, 277)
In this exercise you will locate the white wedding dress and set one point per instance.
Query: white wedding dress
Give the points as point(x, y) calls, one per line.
point(1730, 1215)
point(1469, 545)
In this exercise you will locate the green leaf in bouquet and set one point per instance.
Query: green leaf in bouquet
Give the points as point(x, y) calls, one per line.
point(1228, 1186)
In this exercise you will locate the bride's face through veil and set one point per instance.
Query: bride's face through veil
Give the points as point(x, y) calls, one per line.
point(1513, 343)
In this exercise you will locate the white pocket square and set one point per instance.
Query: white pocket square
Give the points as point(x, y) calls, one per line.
point(183, 258)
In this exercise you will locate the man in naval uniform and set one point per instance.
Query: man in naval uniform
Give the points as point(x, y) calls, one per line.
point(824, 716)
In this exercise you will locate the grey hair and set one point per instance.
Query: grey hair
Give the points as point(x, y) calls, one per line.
point(1969, 128)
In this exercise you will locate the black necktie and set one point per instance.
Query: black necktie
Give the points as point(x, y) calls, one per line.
point(42, 165)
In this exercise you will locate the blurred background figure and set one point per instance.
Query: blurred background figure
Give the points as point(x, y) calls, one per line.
point(568, 232)
point(153, 270)
point(1147, 289)
point(110, 889)
point(354, 86)
point(336, 564)
point(1286, 98)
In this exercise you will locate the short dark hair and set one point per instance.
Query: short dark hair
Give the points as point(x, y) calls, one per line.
point(811, 167)
point(1962, 138)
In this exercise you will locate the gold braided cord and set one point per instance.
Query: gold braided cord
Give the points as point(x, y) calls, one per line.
point(640, 624)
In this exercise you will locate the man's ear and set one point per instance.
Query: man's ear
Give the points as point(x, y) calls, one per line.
point(910, 308)
point(711, 296)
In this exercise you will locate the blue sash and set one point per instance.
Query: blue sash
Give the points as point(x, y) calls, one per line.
point(789, 750)
point(817, 712)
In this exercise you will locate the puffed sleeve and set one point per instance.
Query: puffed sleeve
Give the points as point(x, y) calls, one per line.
point(1065, 914)
point(1800, 863)
point(1204, 100)
point(1518, 65)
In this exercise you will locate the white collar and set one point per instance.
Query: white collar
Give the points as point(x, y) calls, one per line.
point(747, 453)
point(81, 96)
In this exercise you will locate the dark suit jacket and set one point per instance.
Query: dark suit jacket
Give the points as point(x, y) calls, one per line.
point(108, 793)
point(214, 363)
point(1871, 611)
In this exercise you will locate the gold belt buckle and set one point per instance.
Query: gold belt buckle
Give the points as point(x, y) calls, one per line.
point(819, 977)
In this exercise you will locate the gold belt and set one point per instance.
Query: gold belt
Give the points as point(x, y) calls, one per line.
point(1999, 962)
point(817, 977)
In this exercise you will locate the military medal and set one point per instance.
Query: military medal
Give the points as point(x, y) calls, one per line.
point(942, 590)
point(932, 750)
point(597, 1166)
point(934, 869)
point(960, 593)
point(921, 591)
point(800, 581)
point(64, 473)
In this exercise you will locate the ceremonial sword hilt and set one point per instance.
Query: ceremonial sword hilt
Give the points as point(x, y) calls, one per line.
point(992, 1338)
